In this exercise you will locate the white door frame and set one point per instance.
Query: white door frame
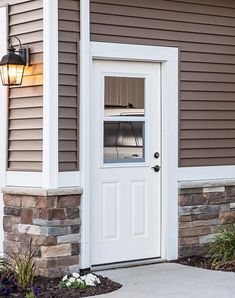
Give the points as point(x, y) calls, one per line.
point(168, 57)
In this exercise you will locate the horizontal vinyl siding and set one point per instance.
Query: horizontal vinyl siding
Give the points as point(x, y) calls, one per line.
point(26, 101)
point(205, 33)
point(68, 84)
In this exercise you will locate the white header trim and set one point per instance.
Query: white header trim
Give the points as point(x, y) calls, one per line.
point(114, 51)
point(35, 179)
point(24, 179)
point(205, 173)
point(69, 179)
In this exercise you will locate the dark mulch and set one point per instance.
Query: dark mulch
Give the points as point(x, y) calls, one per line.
point(204, 262)
point(50, 288)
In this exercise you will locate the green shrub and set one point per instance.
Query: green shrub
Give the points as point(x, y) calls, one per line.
point(23, 267)
point(222, 249)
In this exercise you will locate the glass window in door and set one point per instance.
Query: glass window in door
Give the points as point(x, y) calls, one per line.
point(124, 119)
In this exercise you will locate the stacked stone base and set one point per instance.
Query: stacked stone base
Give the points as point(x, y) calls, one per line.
point(203, 211)
point(51, 224)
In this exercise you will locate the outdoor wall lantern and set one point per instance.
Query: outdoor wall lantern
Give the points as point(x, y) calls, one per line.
point(13, 64)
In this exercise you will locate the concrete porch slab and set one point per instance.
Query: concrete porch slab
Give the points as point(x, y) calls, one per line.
point(171, 281)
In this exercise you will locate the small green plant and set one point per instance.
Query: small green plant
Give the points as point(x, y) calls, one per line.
point(23, 266)
point(222, 249)
point(30, 295)
point(4, 270)
point(33, 292)
point(3, 265)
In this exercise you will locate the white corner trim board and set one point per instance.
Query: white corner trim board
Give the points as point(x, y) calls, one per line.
point(50, 94)
point(168, 57)
point(3, 113)
point(3, 98)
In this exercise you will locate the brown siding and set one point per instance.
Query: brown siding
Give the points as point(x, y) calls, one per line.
point(25, 102)
point(204, 30)
point(68, 84)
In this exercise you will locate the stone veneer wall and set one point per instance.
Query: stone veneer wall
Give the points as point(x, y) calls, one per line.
point(203, 211)
point(51, 224)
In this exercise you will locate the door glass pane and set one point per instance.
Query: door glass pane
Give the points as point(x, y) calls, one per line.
point(123, 141)
point(124, 96)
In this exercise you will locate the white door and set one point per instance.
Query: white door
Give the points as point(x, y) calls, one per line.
point(125, 146)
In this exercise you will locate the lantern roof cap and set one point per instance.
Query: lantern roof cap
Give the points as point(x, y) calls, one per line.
point(12, 58)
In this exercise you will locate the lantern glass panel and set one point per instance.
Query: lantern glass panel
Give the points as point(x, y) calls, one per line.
point(11, 74)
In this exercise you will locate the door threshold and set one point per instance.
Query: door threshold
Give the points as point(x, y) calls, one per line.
point(127, 264)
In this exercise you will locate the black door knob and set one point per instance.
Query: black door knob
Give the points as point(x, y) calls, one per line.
point(156, 155)
point(156, 168)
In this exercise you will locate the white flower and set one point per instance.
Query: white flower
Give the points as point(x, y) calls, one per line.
point(68, 284)
point(76, 275)
point(72, 279)
point(91, 276)
point(65, 278)
point(78, 280)
point(90, 279)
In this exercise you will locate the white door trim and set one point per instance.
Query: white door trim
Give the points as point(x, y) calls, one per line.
point(85, 64)
point(168, 57)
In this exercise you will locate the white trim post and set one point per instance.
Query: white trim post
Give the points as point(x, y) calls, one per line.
point(50, 94)
point(170, 158)
point(4, 116)
point(85, 131)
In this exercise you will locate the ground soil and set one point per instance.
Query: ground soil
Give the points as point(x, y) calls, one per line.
point(204, 262)
point(50, 289)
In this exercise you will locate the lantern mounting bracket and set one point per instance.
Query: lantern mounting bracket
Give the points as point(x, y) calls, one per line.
point(24, 53)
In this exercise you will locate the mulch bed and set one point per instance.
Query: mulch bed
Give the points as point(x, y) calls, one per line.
point(50, 288)
point(203, 262)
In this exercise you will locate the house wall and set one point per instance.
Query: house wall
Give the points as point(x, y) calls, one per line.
point(69, 28)
point(203, 31)
point(25, 102)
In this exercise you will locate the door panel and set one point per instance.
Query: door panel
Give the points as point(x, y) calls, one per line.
point(126, 191)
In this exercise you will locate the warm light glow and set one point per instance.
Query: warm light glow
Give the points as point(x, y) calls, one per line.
point(11, 74)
